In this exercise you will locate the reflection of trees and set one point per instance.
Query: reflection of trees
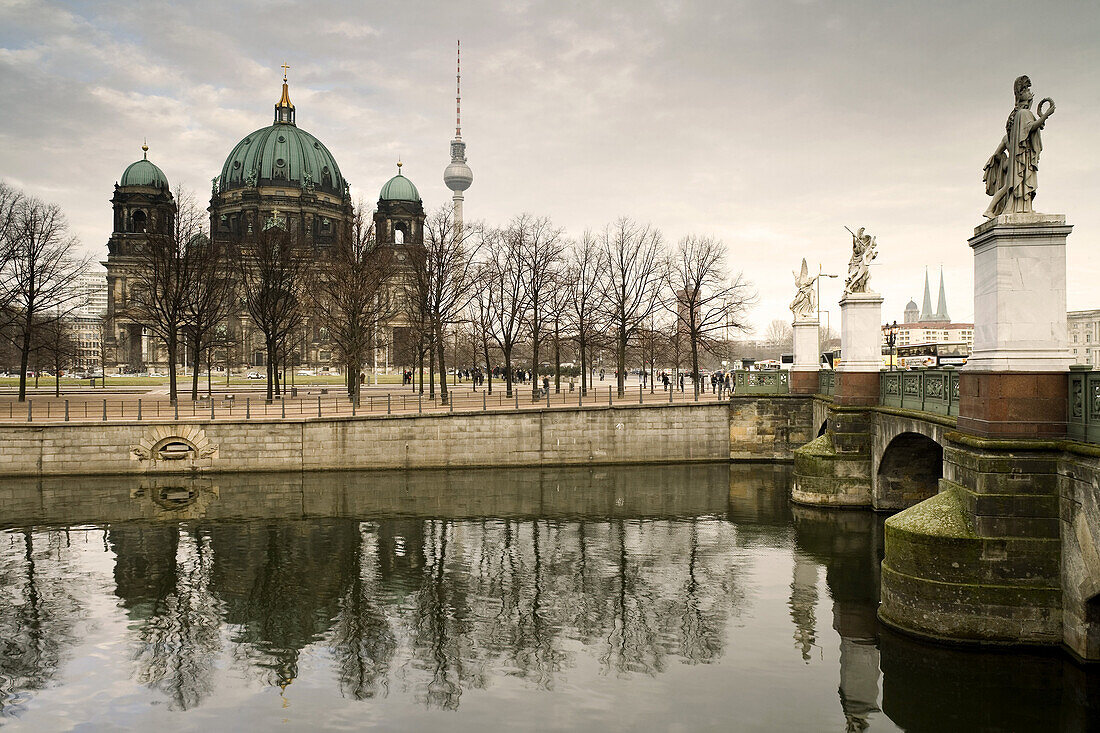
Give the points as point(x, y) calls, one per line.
point(181, 637)
point(281, 585)
point(38, 613)
point(362, 640)
point(441, 623)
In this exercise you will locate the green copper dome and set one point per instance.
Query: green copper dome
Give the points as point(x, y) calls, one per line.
point(282, 155)
point(399, 188)
point(144, 173)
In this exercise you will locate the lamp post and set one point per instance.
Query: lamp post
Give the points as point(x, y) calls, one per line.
point(891, 340)
point(820, 274)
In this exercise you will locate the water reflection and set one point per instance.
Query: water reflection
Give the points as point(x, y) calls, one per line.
point(432, 587)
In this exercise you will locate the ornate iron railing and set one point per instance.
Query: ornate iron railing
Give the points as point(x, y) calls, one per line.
point(1084, 404)
point(826, 381)
point(931, 390)
point(768, 382)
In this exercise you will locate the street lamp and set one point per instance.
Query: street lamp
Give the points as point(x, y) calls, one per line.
point(891, 340)
point(820, 275)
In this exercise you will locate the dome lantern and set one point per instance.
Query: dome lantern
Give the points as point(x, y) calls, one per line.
point(144, 173)
point(284, 110)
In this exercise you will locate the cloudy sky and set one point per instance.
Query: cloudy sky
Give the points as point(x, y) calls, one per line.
point(771, 125)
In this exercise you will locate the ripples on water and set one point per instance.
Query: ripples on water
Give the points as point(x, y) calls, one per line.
point(690, 597)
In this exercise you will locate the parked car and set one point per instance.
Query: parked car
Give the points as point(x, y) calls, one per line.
point(306, 373)
point(255, 375)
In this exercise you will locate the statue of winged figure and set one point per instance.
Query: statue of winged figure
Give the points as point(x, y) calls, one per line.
point(1011, 173)
point(859, 264)
point(805, 303)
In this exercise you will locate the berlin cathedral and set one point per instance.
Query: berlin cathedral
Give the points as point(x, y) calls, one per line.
point(279, 173)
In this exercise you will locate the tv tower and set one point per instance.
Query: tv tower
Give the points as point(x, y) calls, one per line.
point(458, 175)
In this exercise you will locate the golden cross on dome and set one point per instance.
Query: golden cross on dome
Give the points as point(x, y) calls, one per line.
point(285, 67)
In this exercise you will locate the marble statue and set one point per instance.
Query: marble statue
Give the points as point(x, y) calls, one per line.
point(859, 265)
point(1010, 173)
point(804, 304)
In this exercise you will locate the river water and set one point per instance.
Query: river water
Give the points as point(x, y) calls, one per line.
point(673, 598)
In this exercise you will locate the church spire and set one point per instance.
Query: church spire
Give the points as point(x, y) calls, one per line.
point(926, 313)
point(941, 307)
point(284, 110)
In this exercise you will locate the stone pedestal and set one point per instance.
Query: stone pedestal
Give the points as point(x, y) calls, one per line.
point(1014, 383)
point(857, 377)
point(807, 358)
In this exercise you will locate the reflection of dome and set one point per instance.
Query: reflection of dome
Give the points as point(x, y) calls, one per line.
point(399, 188)
point(144, 173)
point(458, 176)
point(282, 154)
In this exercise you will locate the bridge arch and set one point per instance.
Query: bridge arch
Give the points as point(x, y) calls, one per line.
point(906, 461)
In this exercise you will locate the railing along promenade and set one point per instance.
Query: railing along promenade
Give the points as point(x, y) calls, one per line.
point(321, 404)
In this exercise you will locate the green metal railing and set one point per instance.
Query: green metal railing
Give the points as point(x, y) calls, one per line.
point(1084, 404)
point(930, 390)
point(826, 381)
point(746, 382)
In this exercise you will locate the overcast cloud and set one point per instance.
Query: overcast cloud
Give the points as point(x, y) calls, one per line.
point(771, 124)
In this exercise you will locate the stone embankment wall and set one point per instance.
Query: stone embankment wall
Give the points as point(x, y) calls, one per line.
point(769, 427)
point(604, 435)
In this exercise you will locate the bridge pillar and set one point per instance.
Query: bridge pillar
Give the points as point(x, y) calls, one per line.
point(860, 349)
point(807, 357)
point(982, 560)
point(1014, 383)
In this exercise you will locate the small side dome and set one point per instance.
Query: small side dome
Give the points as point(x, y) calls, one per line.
point(144, 173)
point(399, 188)
point(912, 306)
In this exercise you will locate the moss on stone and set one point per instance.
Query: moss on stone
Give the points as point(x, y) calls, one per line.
point(942, 515)
point(822, 445)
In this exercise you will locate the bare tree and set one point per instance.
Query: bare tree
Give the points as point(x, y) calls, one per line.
point(41, 273)
point(506, 296)
point(708, 303)
point(56, 345)
point(273, 265)
point(584, 281)
point(481, 316)
point(160, 291)
point(12, 201)
point(540, 246)
point(351, 296)
point(632, 281)
point(208, 302)
point(449, 256)
point(779, 334)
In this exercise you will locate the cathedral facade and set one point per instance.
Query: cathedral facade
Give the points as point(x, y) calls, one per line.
point(279, 174)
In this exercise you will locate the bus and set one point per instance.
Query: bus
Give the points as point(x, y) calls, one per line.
point(932, 354)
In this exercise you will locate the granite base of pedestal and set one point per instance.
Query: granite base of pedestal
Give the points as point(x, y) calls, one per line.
point(856, 388)
point(1013, 404)
point(804, 382)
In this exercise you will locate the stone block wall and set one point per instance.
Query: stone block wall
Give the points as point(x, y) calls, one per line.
point(591, 435)
point(1080, 524)
point(769, 427)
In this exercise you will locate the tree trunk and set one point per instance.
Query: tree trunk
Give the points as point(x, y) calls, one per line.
point(442, 365)
point(25, 357)
point(270, 369)
point(535, 357)
point(557, 358)
point(195, 369)
point(695, 363)
point(171, 345)
point(582, 342)
point(620, 363)
point(431, 368)
point(488, 367)
point(508, 372)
